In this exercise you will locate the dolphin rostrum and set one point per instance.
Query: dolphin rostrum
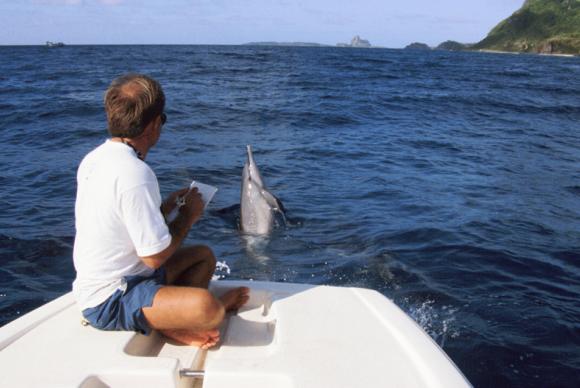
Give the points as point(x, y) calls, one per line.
point(257, 203)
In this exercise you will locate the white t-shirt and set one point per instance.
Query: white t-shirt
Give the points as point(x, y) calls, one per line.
point(118, 219)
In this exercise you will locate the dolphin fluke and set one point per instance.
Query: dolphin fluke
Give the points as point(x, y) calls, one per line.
point(257, 204)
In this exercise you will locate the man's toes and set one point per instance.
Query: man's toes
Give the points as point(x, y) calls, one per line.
point(211, 342)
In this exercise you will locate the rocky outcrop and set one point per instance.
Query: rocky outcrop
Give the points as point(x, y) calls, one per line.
point(451, 45)
point(417, 46)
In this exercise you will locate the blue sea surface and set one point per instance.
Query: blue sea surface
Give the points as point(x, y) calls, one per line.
point(449, 182)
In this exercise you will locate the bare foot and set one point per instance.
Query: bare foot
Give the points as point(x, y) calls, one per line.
point(236, 298)
point(203, 339)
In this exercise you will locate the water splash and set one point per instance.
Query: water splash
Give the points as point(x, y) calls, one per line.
point(222, 269)
point(439, 323)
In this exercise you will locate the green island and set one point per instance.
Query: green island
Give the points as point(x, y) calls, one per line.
point(539, 26)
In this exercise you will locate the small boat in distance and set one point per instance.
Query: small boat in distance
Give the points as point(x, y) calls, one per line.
point(54, 44)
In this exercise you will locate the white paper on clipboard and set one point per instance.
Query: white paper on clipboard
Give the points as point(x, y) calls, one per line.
point(206, 191)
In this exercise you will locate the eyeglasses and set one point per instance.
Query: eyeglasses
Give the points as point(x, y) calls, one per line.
point(163, 118)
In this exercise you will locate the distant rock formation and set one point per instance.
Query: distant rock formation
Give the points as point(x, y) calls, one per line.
point(417, 46)
point(356, 42)
point(451, 45)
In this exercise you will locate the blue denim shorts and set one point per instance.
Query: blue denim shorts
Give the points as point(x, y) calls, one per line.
point(123, 309)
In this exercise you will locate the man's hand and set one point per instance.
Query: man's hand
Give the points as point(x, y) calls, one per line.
point(193, 207)
point(171, 201)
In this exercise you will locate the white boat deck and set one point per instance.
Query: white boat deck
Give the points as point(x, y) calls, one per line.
point(288, 335)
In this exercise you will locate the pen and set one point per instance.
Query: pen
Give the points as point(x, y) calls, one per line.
point(179, 201)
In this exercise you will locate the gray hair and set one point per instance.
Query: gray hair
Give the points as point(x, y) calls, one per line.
point(132, 101)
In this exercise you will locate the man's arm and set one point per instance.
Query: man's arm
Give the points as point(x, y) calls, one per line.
point(187, 216)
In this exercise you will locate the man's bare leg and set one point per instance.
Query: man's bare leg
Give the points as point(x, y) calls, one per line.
point(187, 315)
point(231, 300)
point(193, 268)
point(190, 316)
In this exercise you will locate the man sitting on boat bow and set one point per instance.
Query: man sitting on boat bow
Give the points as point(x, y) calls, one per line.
point(132, 272)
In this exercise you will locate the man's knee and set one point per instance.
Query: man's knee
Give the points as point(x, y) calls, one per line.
point(208, 255)
point(184, 308)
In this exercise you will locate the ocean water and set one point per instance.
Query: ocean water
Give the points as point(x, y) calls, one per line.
point(449, 182)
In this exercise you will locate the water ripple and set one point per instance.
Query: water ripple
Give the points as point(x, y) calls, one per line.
point(447, 181)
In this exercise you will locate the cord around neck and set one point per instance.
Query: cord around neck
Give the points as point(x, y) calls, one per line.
point(137, 152)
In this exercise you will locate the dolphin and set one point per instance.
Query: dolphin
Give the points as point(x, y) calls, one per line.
point(257, 205)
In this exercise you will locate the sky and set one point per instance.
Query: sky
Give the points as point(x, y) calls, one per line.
point(387, 23)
